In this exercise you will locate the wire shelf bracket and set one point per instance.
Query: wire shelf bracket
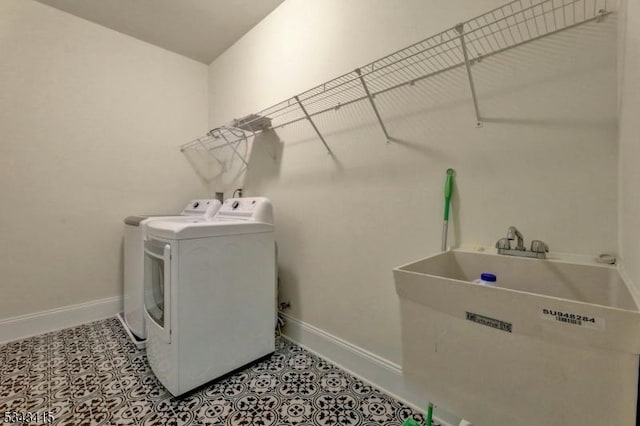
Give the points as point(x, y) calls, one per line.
point(373, 104)
point(465, 54)
point(308, 117)
point(232, 144)
point(217, 140)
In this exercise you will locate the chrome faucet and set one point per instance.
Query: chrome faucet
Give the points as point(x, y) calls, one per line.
point(538, 248)
point(512, 234)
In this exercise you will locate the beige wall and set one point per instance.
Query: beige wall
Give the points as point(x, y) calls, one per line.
point(629, 141)
point(90, 122)
point(544, 161)
point(91, 119)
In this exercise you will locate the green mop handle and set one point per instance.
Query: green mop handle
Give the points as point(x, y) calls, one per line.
point(448, 191)
point(429, 415)
point(428, 422)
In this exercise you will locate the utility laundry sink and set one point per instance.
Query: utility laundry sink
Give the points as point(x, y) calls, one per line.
point(555, 343)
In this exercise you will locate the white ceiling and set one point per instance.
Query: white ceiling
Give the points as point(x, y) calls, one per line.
point(198, 29)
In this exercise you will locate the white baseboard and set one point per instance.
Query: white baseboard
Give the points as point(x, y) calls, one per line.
point(359, 362)
point(24, 326)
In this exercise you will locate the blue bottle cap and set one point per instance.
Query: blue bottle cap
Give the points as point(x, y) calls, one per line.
point(485, 276)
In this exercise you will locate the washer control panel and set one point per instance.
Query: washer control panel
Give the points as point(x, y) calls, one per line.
point(257, 209)
point(201, 207)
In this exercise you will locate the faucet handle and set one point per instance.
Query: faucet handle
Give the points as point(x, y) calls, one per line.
point(514, 234)
point(538, 246)
point(503, 243)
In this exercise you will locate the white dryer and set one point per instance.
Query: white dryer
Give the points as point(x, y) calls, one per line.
point(209, 293)
point(134, 235)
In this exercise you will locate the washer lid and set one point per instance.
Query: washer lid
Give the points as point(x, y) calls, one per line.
point(204, 208)
point(182, 230)
point(136, 220)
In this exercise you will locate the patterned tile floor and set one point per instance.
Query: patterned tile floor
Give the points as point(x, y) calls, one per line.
point(93, 375)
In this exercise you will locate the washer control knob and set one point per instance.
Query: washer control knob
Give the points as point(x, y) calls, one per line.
point(235, 204)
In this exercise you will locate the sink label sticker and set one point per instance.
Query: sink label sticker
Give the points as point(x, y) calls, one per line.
point(573, 318)
point(490, 322)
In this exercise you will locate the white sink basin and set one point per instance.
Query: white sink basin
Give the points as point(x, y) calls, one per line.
point(555, 343)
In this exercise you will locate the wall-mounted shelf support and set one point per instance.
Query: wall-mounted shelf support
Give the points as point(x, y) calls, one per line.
point(220, 144)
point(306, 114)
point(373, 104)
point(465, 54)
point(241, 136)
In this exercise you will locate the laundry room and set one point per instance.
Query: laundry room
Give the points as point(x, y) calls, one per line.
point(333, 212)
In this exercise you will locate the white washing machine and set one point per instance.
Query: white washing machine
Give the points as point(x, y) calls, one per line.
point(134, 235)
point(209, 293)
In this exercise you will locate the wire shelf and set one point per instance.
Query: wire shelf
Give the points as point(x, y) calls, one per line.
point(508, 26)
